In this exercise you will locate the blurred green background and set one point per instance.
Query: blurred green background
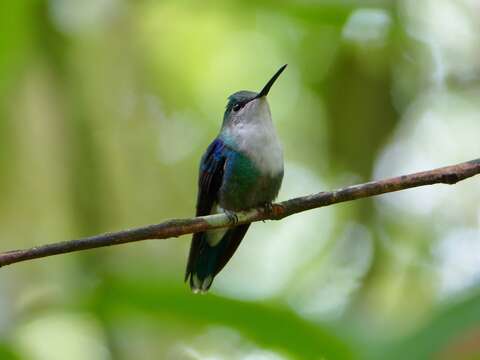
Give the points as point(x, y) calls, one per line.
point(106, 107)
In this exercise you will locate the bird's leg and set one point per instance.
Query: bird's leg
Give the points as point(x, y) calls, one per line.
point(232, 217)
point(268, 208)
point(273, 211)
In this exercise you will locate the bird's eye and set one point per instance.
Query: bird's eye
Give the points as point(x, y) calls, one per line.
point(237, 107)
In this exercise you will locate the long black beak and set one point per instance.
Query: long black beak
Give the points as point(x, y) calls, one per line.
point(270, 82)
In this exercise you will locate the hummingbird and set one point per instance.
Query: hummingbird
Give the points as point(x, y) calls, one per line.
point(241, 169)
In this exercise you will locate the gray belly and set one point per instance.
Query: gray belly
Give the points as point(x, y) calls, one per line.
point(245, 187)
point(240, 197)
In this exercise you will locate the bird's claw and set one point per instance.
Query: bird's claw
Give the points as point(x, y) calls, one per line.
point(273, 211)
point(268, 208)
point(232, 217)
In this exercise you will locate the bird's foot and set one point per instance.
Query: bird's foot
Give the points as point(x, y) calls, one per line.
point(232, 217)
point(268, 208)
point(273, 211)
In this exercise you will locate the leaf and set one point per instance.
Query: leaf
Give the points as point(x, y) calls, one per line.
point(268, 325)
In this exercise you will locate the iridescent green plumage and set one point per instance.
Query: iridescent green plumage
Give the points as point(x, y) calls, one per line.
point(245, 185)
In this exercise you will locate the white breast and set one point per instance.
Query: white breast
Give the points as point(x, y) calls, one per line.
point(253, 134)
point(260, 142)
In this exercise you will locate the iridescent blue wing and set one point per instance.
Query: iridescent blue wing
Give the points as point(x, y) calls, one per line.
point(210, 177)
point(209, 182)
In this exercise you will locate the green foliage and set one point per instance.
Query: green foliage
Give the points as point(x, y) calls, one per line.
point(105, 109)
point(267, 324)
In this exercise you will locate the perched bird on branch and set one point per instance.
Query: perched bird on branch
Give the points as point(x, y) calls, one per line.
point(241, 169)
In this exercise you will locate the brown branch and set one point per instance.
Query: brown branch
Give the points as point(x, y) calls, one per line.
point(173, 228)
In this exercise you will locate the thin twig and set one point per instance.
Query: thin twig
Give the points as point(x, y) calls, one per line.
point(176, 227)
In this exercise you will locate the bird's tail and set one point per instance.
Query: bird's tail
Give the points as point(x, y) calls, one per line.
point(207, 257)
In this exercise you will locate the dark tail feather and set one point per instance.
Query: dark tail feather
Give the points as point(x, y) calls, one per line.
point(236, 236)
point(206, 261)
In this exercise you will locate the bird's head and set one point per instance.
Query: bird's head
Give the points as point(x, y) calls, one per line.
point(248, 106)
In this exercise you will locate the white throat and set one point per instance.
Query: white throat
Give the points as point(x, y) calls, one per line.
point(254, 135)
